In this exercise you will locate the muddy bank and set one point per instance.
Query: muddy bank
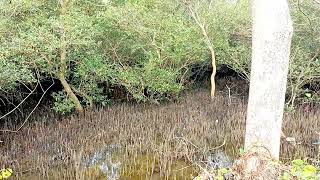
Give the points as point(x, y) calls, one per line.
point(160, 141)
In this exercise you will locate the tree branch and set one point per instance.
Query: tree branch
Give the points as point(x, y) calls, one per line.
point(194, 14)
point(20, 102)
point(36, 106)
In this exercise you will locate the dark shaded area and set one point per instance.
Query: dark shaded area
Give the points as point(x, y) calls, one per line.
point(314, 86)
point(202, 72)
point(227, 80)
point(26, 98)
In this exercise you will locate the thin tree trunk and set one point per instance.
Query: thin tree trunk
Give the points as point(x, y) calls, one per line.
point(213, 57)
point(214, 71)
point(271, 41)
point(202, 25)
point(63, 64)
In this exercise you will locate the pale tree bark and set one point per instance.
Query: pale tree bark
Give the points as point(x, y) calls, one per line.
point(271, 41)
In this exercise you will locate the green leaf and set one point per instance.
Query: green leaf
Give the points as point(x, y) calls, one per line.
point(242, 151)
point(308, 95)
point(220, 177)
point(298, 162)
point(294, 171)
point(285, 176)
point(223, 171)
point(309, 171)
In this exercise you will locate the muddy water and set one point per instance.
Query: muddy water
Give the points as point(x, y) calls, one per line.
point(147, 167)
point(141, 167)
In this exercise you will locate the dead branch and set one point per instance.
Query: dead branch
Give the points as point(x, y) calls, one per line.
point(20, 102)
point(35, 107)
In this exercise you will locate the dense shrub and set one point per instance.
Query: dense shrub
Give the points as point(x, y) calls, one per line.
point(146, 47)
point(304, 74)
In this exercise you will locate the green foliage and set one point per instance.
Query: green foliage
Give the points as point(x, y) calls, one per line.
point(305, 51)
point(300, 169)
point(221, 173)
point(62, 103)
point(12, 72)
point(242, 151)
point(5, 173)
point(144, 46)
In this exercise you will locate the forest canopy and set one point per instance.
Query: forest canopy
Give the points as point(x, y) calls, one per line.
point(146, 47)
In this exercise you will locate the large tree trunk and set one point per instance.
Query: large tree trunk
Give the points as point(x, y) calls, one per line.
point(63, 63)
point(271, 41)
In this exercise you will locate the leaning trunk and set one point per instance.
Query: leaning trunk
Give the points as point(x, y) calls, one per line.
point(64, 82)
point(63, 64)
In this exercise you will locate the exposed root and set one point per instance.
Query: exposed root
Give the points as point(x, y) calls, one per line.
point(256, 164)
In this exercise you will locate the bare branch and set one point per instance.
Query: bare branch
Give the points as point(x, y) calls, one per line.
point(20, 102)
point(316, 55)
point(35, 107)
point(317, 1)
point(25, 85)
point(193, 11)
point(309, 20)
